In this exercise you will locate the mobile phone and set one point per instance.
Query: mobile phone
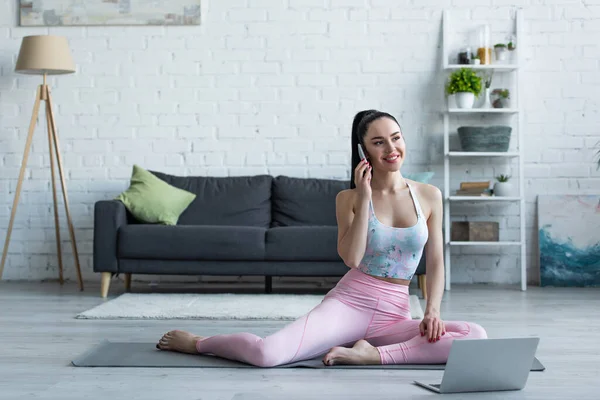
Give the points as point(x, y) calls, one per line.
point(361, 153)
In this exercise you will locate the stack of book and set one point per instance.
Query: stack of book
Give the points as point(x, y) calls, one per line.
point(482, 188)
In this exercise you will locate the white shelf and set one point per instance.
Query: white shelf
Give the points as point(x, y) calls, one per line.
point(483, 154)
point(483, 198)
point(484, 110)
point(484, 243)
point(494, 67)
point(513, 157)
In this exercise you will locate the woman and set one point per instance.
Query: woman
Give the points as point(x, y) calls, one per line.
point(385, 222)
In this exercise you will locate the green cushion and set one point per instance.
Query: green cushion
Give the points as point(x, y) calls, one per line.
point(423, 177)
point(153, 200)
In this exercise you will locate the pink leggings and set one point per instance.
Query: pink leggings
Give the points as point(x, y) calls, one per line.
point(358, 307)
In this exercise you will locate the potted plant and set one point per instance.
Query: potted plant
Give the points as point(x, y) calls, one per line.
point(465, 84)
point(500, 49)
point(500, 98)
point(511, 42)
point(475, 60)
point(503, 187)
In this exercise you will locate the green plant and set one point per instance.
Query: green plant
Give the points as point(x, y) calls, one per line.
point(464, 80)
point(510, 39)
point(500, 45)
point(505, 93)
point(503, 178)
point(487, 79)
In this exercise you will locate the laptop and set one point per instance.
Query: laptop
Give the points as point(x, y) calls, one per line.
point(481, 365)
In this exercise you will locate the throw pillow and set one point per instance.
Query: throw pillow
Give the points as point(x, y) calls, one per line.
point(153, 200)
point(423, 177)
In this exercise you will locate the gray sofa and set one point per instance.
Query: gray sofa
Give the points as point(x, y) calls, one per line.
point(245, 225)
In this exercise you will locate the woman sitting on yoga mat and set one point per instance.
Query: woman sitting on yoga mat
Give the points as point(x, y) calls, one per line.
point(385, 222)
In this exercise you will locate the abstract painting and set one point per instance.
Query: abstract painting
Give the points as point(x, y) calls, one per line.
point(569, 240)
point(109, 12)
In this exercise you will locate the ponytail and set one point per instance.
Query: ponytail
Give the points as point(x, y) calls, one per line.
point(360, 125)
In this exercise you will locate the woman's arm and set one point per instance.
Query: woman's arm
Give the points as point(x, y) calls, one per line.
point(352, 227)
point(434, 251)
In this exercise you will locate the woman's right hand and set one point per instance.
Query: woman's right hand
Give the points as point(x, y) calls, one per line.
point(362, 179)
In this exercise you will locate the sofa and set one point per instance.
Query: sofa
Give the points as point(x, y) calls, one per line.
point(240, 225)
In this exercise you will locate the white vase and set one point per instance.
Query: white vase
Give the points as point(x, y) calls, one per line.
point(503, 189)
point(465, 99)
point(487, 103)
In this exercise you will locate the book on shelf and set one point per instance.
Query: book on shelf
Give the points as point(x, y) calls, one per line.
point(484, 193)
point(477, 188)
point(475, 185)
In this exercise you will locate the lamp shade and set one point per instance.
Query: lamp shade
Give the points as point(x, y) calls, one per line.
point(45, 54)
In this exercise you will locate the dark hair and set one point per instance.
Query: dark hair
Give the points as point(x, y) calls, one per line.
point(360, 125)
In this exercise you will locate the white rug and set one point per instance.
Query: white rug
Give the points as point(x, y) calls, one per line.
point(213, 306)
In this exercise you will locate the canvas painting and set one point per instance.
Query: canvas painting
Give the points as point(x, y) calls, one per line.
point(569, 240)
point(109, 12)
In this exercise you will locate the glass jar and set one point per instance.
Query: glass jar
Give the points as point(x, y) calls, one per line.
point(484, 48)
point(464, 57)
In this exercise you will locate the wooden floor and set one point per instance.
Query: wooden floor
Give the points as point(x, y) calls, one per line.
point(40, 337)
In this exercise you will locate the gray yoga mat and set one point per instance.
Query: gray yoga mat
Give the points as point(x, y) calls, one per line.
point(125, 354)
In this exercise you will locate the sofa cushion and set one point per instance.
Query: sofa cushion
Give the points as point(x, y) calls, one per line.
point(232, 200)
point(305, 201)
point(205, 242)
point(152, 200)
point(302, 243)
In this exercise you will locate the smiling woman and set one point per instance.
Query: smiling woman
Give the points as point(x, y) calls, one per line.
point(384, 226)
point(377, 146)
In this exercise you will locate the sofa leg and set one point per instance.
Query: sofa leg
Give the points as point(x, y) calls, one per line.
point(105, 284)
point(423, 285)
point(128, 283)
point(268, 284)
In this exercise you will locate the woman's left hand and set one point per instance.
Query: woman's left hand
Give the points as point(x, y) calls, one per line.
point(432, 326)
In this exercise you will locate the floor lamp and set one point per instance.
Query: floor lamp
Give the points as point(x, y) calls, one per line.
point(45, 55)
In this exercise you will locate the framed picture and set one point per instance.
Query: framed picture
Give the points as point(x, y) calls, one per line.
point(569, 240)
point(108, 12)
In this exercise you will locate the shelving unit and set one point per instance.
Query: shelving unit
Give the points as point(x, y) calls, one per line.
point(499, 67)
point(454, 243)
point(485, 111)
point(515, 112)
point(482, 198)
point(482, 154)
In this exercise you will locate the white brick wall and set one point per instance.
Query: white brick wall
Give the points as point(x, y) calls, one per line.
point(276, 83)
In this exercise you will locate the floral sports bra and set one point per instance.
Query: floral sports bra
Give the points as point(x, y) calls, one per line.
point(394, 252)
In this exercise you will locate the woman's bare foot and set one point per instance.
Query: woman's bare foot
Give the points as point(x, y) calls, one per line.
point(362, 353)
point(181, 341)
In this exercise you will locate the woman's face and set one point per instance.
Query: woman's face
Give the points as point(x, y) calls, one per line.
point(385, 145)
